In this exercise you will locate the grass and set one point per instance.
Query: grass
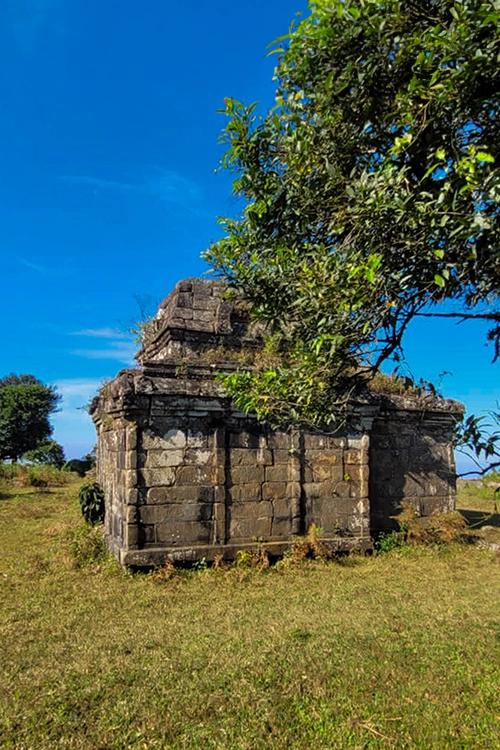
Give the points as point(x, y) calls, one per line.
point(396, 650)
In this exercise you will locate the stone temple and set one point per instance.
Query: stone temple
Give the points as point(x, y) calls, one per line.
point(187, 476)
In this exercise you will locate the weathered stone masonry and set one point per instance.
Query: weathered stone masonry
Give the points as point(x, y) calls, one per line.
point(186, 476)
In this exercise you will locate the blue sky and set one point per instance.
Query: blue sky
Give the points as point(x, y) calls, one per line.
point(108, 152)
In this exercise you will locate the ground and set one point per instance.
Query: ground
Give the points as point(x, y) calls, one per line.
point(396, 650)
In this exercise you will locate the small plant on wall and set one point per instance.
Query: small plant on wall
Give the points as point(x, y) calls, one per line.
point(91, 497)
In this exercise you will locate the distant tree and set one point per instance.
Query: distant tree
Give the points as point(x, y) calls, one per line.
point(50, 452)
point(91, 457)
point(82, 465)
point(372, 195)
point(25, 407)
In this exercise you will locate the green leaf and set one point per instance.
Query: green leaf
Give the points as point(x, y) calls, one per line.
point(484, 158)
point(439, 281)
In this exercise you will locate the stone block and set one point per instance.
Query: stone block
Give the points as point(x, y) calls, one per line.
point(131, 514)
point(170, 438)
point(279, 441)
point(282, 527)
point(198, 456)
point(176, 494)
point(195, 475)
point(244, 440)
point(355, 472)
point(131, 459)
point(201, 512)
point(356, 456)
point(358, 489)
point(278, 473)
point(147, 534)
point(259, 528)
point(219, 474)
point(158, 459)
point(319, 468)
point(157, 477)
point(435, 504)
point(314, 441)
point(342, 489)
point(185, 299)
point(197, 440)
point(313, 489)
point(293, 490)
point(257, 510)
point(358, 442)
point(131, 497)
point(184, 313)
point(129, 478)
point(175, 512)
point(220, 494)
point(251, 456)
point(283, 507)
point(132, 536)
point(273, 490)
point(247, 474)
point(182, 533)
point(153, 514)
point(264, 456)
point(283, 455)
point(246, 493)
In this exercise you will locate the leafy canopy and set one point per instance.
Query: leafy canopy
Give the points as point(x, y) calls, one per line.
point(49, 452)
point(25, 406)
point(371, 192)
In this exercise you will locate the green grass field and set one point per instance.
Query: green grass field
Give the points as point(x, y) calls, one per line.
point(397, 650)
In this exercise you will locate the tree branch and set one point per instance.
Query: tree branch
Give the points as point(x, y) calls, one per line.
point(462, 316)
point(482, 472)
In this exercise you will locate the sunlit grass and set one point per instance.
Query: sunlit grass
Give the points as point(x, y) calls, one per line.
point(396, 650)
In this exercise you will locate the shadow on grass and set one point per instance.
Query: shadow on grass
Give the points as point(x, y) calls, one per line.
point(478, 518)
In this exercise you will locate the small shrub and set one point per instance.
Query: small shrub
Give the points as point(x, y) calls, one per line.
point(91, 499)
point(438, 528)
point(164, 573)
point(243, 558)
point(218, 561)
point(200, 565)
point(307, 547)
point(87, 546)
point(391, 540)
point(8, 472)
point(39, 475)
point(258, 559)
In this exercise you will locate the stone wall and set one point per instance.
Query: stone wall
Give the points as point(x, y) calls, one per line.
point(187, 477)
point(411, 459)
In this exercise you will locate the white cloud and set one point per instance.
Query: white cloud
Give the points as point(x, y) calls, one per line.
point(163, 184)
point(117, 345)
point(117, 352)
point(102, 333)
point(33, 266)
point(79, 388)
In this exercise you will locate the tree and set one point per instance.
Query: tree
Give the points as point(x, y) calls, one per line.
point(25, 406)
point(50, 452)
point(371, 195)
